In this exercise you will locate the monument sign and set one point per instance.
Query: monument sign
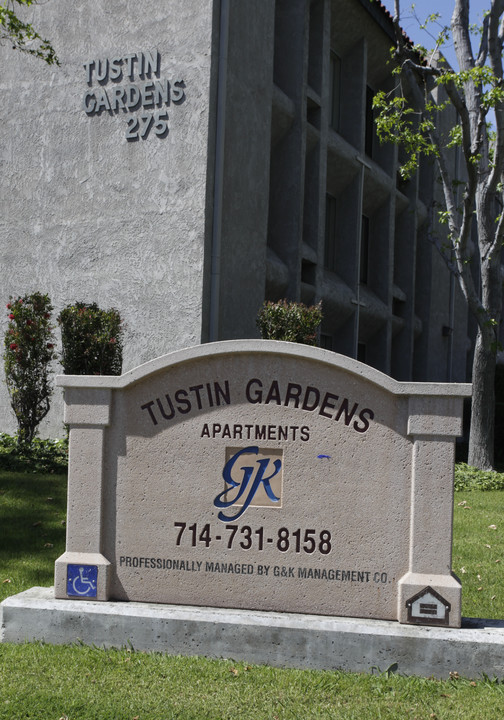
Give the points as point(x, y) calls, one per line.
point(263, 475)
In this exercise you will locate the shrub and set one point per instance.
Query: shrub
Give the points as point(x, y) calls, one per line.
point(28, 351)
point(470, 478)
point(41, 456)
point(289, 321)
point(92, 340)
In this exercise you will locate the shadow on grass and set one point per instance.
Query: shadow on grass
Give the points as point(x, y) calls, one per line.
point(32, 518)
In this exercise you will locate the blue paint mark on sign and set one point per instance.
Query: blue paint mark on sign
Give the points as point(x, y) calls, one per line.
point(82, 580)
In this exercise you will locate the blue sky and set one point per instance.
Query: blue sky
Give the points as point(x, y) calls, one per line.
point(423, 8)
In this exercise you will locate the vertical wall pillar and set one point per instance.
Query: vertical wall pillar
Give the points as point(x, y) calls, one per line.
point(82, 571)
point(429, 592)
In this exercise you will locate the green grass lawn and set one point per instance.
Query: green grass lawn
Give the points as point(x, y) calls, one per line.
point(478, 552)
point(47, 682)
point(32, 516)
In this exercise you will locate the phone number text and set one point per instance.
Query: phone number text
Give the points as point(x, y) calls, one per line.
point(299, 541)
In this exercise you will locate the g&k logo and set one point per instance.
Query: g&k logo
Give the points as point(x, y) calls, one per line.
point(250, 481)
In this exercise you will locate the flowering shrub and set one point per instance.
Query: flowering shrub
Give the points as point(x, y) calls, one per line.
point(290, 321)
point(28, 351)
point(92, 340)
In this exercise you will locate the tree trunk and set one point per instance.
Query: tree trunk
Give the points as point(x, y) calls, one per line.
point(481, 439)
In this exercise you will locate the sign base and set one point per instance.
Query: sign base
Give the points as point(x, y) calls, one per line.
point(303, 641)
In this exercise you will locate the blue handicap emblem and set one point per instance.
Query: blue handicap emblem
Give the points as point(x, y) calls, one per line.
point(82, 580)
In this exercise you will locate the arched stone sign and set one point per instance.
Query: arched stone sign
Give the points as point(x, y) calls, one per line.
point(263, 475)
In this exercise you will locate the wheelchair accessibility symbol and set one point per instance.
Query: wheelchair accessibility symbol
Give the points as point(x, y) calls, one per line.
point(82, 580)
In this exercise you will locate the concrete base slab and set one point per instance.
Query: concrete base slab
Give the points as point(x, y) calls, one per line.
point(272, 638)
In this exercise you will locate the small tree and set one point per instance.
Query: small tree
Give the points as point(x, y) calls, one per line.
point(410, 116)
point(28, 351)
point(92, 340)
point(289, 321)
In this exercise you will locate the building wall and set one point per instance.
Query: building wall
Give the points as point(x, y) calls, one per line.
point(269, 184)
point(343, 228)
point(245, 117)
point(88, 215)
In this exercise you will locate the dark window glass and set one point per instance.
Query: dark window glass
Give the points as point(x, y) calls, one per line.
point(335, 86)
point(370, 128)
point(326, 341)
point(364, 251)
point(330, 233)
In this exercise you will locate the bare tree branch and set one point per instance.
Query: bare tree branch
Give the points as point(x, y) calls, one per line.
point(461, 37)
point(494, 41)
point(483, 50)
point(495, 57)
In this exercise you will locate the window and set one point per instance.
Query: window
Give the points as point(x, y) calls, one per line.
point(335, 87)
point(364, 252)
point(326, 341)
point(370, 127)
point(330, 233)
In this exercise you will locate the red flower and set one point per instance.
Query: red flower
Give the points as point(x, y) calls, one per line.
point(13, 346)
point(11, 316)
point(50, 346)
point(112, 341)
point(9, 306)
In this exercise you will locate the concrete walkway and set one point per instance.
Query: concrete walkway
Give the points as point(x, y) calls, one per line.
point(281, 639)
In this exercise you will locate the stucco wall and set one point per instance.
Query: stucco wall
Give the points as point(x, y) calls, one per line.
point(249, 87)
point(87, 215)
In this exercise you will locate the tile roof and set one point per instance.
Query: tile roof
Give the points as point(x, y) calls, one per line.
point(388, 24)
